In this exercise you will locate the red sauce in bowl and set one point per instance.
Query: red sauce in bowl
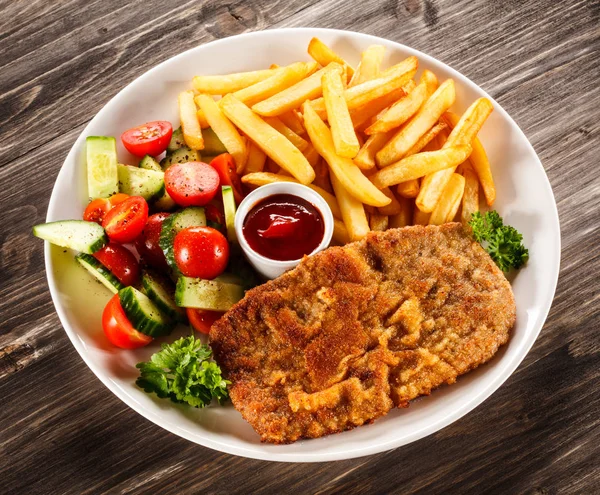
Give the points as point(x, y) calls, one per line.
point(283, 227)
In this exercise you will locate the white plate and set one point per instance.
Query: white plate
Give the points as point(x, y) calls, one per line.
point(525, 200)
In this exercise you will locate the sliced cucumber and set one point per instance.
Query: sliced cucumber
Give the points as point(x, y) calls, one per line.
point(100, 272)
point(143, 314)
point(135, 181)
point(79, 235)
point(149, 163)
point(101, 158)
point(181, 155)
point(213, 295)
point(161, 292)
point(176, 140)
point(212, 144)
point(193, 216)
point(229, 207)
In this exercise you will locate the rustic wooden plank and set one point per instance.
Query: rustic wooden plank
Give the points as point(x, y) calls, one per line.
point(61, 431)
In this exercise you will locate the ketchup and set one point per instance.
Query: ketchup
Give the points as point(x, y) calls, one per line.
point(284, 227)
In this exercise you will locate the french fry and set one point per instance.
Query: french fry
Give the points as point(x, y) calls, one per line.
point(312, 155)
point(368, 68)
point(409, 188)
point(275, 145)
point(365, 93)
point(295, 95)
point(348, 174)
point(481, 165)
point(274, 66)
point(342, 130)
point(421, 164)
point(322, 175)
point(325, 55)
point(283, 79)
point(404, 217)
point(394, 207)
point(293, 121)
point(262, 178)
point(201, 118)
point(378, 222)
point(256, 159)
point(420, 217)
point(427, 138)
point(292, 137)
point(362, 115)
point(340, 232)
point(221, 85)
point(425, 119)
point(225, 130)
point(405, 108)
point(479, 161)
point(447, 206)
point(352, 210)
point(365, 159)
point(463, 132)
point(192, 134)
point(470, 199)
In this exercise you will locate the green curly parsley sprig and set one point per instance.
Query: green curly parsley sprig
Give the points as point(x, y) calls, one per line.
point(502, 242)
point(181, 371)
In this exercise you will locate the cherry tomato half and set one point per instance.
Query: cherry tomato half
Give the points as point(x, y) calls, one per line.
point(98, 208)
point(147, 243)
point(118, 328)
point(125, 222)
point(201, 319)
point(225, 166)
point(151, 138)
point(215, 218)
point(201, 252)
point(191, 183)
point(120, 261)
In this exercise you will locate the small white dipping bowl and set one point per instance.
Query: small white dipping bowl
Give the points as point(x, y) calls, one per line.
point(267, 267)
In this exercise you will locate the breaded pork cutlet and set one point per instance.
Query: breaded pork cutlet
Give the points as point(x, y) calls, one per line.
point(357, 330)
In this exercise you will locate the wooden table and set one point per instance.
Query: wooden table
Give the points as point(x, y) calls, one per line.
point(62, 431)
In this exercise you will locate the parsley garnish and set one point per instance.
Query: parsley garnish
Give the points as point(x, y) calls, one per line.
point(502, 242)
point(181, 371)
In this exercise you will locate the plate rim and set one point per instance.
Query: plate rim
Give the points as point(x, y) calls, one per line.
point(462, 410)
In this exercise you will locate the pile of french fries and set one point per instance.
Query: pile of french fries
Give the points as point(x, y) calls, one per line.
point(381, 147)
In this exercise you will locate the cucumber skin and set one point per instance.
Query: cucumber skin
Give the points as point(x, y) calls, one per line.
point(139, 320)
point(169, 231)
point(38, 231)
point(149, 163)
point(109, 280)
point(148, 282)
point(181, 155)
point(165, 241)
point(176, 141)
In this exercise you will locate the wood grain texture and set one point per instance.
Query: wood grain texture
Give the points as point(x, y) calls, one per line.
point(62, 431)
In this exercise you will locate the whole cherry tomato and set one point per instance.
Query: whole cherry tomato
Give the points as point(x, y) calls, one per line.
point(201, 252)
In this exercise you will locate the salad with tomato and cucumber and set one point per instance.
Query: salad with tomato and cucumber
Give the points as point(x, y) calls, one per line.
point(156, 236)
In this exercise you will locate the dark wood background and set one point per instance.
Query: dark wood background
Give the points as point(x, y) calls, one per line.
point(61, 431)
